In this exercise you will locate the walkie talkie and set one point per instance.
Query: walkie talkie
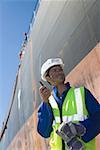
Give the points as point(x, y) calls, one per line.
point(41, 83)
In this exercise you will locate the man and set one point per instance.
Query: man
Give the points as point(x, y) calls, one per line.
point(69, 116)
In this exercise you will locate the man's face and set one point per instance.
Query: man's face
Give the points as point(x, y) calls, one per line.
point(56, 75)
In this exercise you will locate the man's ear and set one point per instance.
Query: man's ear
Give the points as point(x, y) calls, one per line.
point(48, 78)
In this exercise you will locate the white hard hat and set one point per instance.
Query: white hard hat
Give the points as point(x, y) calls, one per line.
point(49, 63)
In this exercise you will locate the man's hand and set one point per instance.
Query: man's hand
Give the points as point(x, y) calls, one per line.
point(69, 133)
point(72, 129)
point(44, 93)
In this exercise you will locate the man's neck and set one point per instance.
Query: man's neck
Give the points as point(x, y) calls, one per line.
point(61, 88)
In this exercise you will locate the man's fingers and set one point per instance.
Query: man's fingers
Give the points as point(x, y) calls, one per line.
point(42, 88)
point(44, 93)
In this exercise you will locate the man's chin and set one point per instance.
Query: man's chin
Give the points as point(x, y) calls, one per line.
point(60, 81)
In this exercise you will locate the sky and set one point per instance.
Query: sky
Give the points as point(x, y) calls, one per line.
point(15, 17)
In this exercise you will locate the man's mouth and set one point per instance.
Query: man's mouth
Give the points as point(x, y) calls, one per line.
point(61, 76)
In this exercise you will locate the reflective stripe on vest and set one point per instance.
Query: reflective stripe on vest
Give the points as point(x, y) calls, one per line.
point(75, 117)
point(53, 102)
point(79, 103)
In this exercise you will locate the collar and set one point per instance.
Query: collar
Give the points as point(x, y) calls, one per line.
point(55, 90)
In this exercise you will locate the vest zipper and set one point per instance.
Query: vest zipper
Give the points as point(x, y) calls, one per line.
point(63, 143)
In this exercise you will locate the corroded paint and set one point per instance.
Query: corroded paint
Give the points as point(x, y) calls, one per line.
point(28, 138)
point(86, 73)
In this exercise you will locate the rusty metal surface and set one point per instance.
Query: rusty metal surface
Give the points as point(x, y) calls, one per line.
point(28, 138)
point(87, 73)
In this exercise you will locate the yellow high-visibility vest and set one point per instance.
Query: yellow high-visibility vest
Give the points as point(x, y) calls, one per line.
point(73, 109)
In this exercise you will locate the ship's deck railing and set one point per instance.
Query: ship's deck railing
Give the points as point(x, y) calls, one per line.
point(32, 21)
